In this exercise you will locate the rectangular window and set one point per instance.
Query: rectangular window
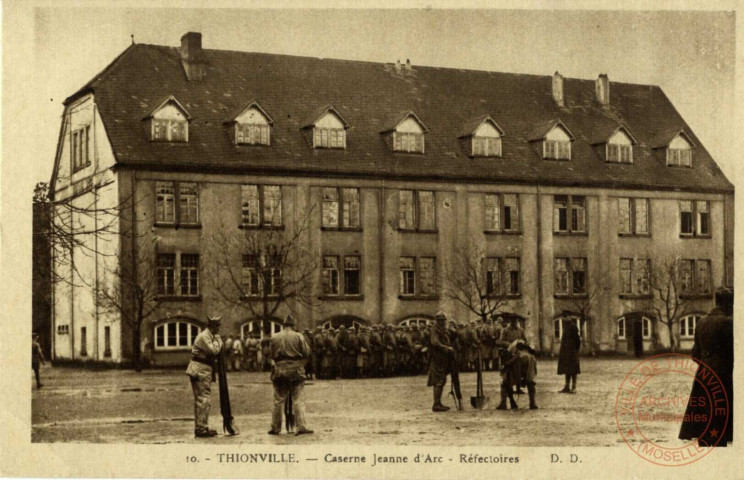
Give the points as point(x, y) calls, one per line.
point(352, 268)
point(703, 218)
point(80, 149)
point(626, 276)
point(251, 134)
point(252, 284)
point(166, 273)
point(561, 276)
point(633, 216)
point(408, 142)
point(557, 150)
point(681, 157)
point(350, 212)
point(642, 269)
point(686, 217)
point(272, 208)
point(249, 205)
point(702, 277)
point(83, 342)
point(502, 212)
point(578, 214)
point(107, 341)
point(511, 212)
point(634, 276)
point(569, 214)
point(619, 153)
point(274, 275)
point(493, 276)
point(694, 218)
point(427, 275)
point(165, 130)
point(493, 213)
point(330, 275)
point(511, 275)
point(486, 146)
point(417, 210)
point(189, 274)
point(686, 284)
point(330, 207)
point(329, 137)
point(189, 203)
point(165, 211)
point(560, 213)
point(578, 276)
point(407, 276)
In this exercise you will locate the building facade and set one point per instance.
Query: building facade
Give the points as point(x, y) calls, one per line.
point(577, 196)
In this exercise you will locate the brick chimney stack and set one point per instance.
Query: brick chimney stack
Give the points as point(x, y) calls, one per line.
point(558, 88)
point(602, 85)
point(192, 57)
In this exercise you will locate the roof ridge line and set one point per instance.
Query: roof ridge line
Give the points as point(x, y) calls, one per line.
point(99, 76)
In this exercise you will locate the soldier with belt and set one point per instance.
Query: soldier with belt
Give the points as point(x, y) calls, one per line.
point(442, 354)
point(207, 345)
point(375, 357)
point(389, 348)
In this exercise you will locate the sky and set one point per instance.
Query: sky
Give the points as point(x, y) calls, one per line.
point(49, 51)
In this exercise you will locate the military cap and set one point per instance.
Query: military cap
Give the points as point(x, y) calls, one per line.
point(342, 327)
point(214, 320)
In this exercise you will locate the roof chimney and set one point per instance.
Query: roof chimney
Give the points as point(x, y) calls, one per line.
point(558, 88)
point(192, 57)
point(602, 85)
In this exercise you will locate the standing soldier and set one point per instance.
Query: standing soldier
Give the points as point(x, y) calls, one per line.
point(237, 354)
point(289, 353)
point(227, 351)
point(405, 346)
point(487, 343)
point(207, 345)
point(568, 356)
point(342, 348)
point(352, 353)
point(251, 352)
point(375, 355)
point(266, 353)
point(442, 353)
point(473, 344)
point(389, 350)
point(509, 335)
point(418, 344)
point(364, 352)
point(36, 356)
point(498, 327)
point(318, 350)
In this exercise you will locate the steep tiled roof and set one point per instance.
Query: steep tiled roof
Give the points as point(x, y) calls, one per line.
point(368, 95)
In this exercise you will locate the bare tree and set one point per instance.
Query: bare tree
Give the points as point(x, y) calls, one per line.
point(257, 270)
point(471, 283)
point(581, 304)
point(670, 302)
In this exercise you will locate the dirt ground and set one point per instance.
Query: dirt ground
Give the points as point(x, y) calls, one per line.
point(156, 406)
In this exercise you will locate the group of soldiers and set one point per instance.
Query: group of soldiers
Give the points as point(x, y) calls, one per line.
point(381, 350)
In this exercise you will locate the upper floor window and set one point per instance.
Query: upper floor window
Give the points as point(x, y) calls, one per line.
point(334, 283)
point(175, 335)
point(570, 276)
point(569, 214)
point(679, 151)
point(633, 215)
point(417, 276)
point(557, 144)
point(634, 276)
point(80, 148)
point(177, 274)
point(502, 212)
point(694, 277)
point(485, 137)
point(169, 122)
point(619, 148)
point(407, 132)
point(252, 126)
point(694, 218)
point(502, 276)
point(261, 274)
point(416, 210)
point(176, 203)
point(328, 128)
point(341, 208)
point(261, 205)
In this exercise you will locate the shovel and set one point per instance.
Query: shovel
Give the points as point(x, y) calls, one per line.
point(479, 401)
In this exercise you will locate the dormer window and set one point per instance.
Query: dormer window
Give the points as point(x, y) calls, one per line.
point(407, 132)
point(252, 126)
point(556, 140)
point(619, 147)
point(485, 137)
point(328, 128)
point(169, 122)
point(679, 152)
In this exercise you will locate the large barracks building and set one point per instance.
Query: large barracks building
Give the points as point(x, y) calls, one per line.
point(575, 190)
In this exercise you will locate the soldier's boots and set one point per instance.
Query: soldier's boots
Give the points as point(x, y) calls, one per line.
point(438, 407)
point(531, 390)
point(504, 394)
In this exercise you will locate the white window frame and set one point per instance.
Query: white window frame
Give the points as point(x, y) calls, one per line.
point(248, 327)
point(330, 138)
point(168, 124)
point(622, 332)
point(556, 149)
point(162, 329)
point(405, 142)
point(688, 325)
point(80, 149)
point(619, 153)
point(485, 149)
point(679, 157)
point(581, 325)
point(259, 132)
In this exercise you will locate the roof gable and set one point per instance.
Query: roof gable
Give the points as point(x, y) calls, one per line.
point(319, 114)
point(244, 115)
point(473, 125)
point(170, 100)
point(665, 137)
point(395, 122)
point(605, 134)
point(541, 131)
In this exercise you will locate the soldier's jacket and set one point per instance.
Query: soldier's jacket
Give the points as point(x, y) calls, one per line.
point(375, 341)
point(206, 346)
point(342, 341)
point(251, 344)
point(318, 343)
point(309, 340)
point(388, 341)
point(472, 336)
point(364, 343)
point(510, 334)
point(353, 344)
point(404, 343)
point(331, 345)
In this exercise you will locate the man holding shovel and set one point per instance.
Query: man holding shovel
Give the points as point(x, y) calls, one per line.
point(442, 354)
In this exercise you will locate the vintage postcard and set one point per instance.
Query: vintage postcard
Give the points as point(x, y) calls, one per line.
point(396, 240)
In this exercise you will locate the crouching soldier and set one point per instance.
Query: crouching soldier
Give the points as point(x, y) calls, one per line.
point(520, 369)
point(207, 345)
point(442, 354)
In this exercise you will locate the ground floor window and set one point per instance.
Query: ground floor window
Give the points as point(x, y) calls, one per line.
point(622, 328)
point(687, 325)
point(560, 323)
point(175, 335)
point(260, 328)
point(415, 321)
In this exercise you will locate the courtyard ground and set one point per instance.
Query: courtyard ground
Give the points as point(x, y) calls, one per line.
point(156, 406)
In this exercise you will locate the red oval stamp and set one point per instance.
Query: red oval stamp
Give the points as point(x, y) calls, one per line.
point(655, 399)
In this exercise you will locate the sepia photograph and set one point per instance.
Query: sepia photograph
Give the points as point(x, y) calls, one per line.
point(379, 229)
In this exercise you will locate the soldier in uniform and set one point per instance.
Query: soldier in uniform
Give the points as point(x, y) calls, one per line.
point(462, 347)
point(227, 352)
point(487, 343)
point(498, 327)
point(375, 357)
point(289, 354)
point(251, 353)
point(442, 354)
point(342, 345)
point(509, 335)
point(266, 353)
point(236, 354)
point(473, 343)
point(331, 351)
point(309, 371)
point(389, 351)
point(352, 352)
point(207, 345)
point(520, 368)
point(364, 352)
point(417, 346)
